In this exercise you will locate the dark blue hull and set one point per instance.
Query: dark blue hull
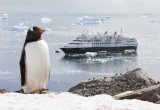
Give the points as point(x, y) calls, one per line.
point(97, 49)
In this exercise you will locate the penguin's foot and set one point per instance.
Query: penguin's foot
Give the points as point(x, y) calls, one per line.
point(20, 91)
point(40, 91)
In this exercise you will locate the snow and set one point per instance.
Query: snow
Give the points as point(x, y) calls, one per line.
point(68, 101)
point(124, 93)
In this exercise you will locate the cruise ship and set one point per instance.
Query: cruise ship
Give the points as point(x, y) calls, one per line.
point(100, 43)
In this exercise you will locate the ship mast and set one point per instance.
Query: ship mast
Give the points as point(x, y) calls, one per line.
point(121, 31)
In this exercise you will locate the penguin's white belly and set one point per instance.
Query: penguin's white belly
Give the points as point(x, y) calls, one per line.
point(37, 64)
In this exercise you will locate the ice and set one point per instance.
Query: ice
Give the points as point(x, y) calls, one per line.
point(46, 20)
point(68, 101)
point(87, 20)
point(73, 72)
point(5, 72)
point(156, 20)
point(5, 16)
point(143, 16)
point(21, 27)
point(91, 54)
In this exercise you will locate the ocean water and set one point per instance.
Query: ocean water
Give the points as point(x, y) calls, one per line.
point(67, 71)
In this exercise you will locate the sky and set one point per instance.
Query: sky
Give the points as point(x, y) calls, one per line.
point(80, 6)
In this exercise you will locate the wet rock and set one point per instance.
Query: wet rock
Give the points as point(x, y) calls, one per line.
point(130, 81)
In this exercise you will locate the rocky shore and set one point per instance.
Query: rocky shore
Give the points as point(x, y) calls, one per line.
point(142, 86)
point(135, 84)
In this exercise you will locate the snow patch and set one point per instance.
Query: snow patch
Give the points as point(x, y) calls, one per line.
point(68, 101)
point(124, 93)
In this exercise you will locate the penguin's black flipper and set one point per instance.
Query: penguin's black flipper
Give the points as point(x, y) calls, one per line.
point(22, 68)
point(22, 59)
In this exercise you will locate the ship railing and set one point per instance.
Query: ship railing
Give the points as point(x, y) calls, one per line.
point(77, 46)
point(100, 45)
point(113, 45)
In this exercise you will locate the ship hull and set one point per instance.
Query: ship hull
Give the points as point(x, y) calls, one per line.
point(97, 49)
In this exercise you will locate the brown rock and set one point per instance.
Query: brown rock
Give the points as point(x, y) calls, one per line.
point(130, 81)
point(2, 91)
point(151, 94)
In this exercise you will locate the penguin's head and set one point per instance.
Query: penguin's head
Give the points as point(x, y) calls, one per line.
point(34, 34)
point(38, 30)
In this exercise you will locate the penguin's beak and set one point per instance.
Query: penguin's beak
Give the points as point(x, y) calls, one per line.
point(42, 30)
point(38, 29)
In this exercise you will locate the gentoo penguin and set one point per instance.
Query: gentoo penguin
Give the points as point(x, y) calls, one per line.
point(34, 62)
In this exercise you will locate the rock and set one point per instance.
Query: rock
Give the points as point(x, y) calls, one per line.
point(2, 91)
point(158, 102)
point(130, 81)
point(151, 94)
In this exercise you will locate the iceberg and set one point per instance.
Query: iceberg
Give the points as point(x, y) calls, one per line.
point(104, 18)
point(4, 16)
point(156, 20)
point(21, 27)
point(89, 20)
point(91, 54)
point(46, 20)
point(86, 20)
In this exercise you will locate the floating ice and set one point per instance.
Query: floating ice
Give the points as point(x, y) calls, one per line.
point(91, 54)
point(46, 20)
point(156, 20)
point(143, 16)
point(89, 20)
point(3, 19)
point(86, 20)
point(104, 18)
point(4, 16)
point(21, 27)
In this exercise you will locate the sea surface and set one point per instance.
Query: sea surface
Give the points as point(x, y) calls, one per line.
point(61, 29)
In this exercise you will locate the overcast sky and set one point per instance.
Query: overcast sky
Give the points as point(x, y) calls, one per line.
point(80, 6)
